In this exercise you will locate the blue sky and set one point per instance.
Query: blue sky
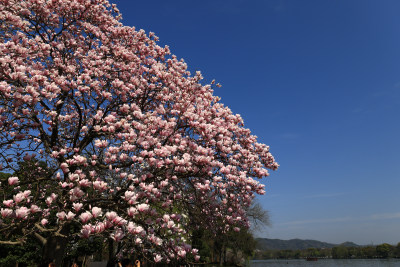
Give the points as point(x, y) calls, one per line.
point(318, 81)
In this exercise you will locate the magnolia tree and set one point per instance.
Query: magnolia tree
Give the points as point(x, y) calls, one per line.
point(122, 141)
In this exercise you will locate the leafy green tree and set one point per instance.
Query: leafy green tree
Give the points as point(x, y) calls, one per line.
point(28, 254)
point(396, 251)
point(384, 250)
point(368, 252)
point(340, 252)
point(312, 252)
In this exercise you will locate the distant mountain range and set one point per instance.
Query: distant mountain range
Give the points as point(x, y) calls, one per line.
point(294, 244)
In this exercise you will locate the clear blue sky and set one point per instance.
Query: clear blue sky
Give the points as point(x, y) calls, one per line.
point(318, 81)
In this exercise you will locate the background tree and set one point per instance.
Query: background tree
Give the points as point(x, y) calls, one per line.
point(368, 252)
point(384, 250)
point(29, 254)
point(340, 252)
point(133, 144)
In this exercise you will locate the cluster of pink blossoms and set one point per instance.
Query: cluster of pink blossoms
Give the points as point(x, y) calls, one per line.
point(121, 139)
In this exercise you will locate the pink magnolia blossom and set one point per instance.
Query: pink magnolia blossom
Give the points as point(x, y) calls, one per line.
point(76, 193)
point(86, 231)
point(85, 217)
point(111, 215)
point(70, 215)
point(100, 185)
point(100, 227)
point(132, 211)
point(35, 208)
point(96, 211)
point(84, 183)
point(13, 180)
point(6, 212)
point(138, 230)
point(19, 197)
point(22, 213)
point(182, 253)
point(49, 200)
point(8, 203)
point(170, 224)
point(117, 235)
point(61, 215)
point(157, 258)
point(64, 167)
point(143, 207)
point(77, 206)
point(130, 227)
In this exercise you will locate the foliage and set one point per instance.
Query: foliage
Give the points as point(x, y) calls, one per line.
point(28, 254)
point(339, 252)
point(113, 136)
point(383, 250)
point(231, 248)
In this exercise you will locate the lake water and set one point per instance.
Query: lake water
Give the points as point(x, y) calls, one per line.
point(328, 263)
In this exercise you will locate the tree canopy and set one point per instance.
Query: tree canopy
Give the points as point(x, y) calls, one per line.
point(119, 139)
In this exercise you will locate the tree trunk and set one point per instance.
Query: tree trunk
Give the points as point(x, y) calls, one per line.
point(221, 256)
point(224, 255)
point(111, 255)
point(54, 249)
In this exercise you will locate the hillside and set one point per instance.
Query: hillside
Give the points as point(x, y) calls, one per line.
point(294, 244)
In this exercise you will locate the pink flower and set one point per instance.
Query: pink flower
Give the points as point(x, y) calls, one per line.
point(86, 216)
point(142, 207)
point(35, 208)
point(22, 213)
point(96, 212)
point(8, 203)
point(170, 224)
point(117, 235)
point(26, 193)
point(13, 180)
point(119, 221)
point(86, 231)
point(100, 185)
point(100, 227)
point(76, 193)
point(182, 253)
point(64, 167)
point(132, 211)
point(130, 227)
point(108, 224)
point(44, 222)
point(111, 215)
point(48, 201)
point(157, 258)
point(85, 183)
point(19, 197)
point(78, 159)
point(77, 206)
point(130, 197)
point(61, 215)
point(70, 215)
point(138, 230)
point(6, 212)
